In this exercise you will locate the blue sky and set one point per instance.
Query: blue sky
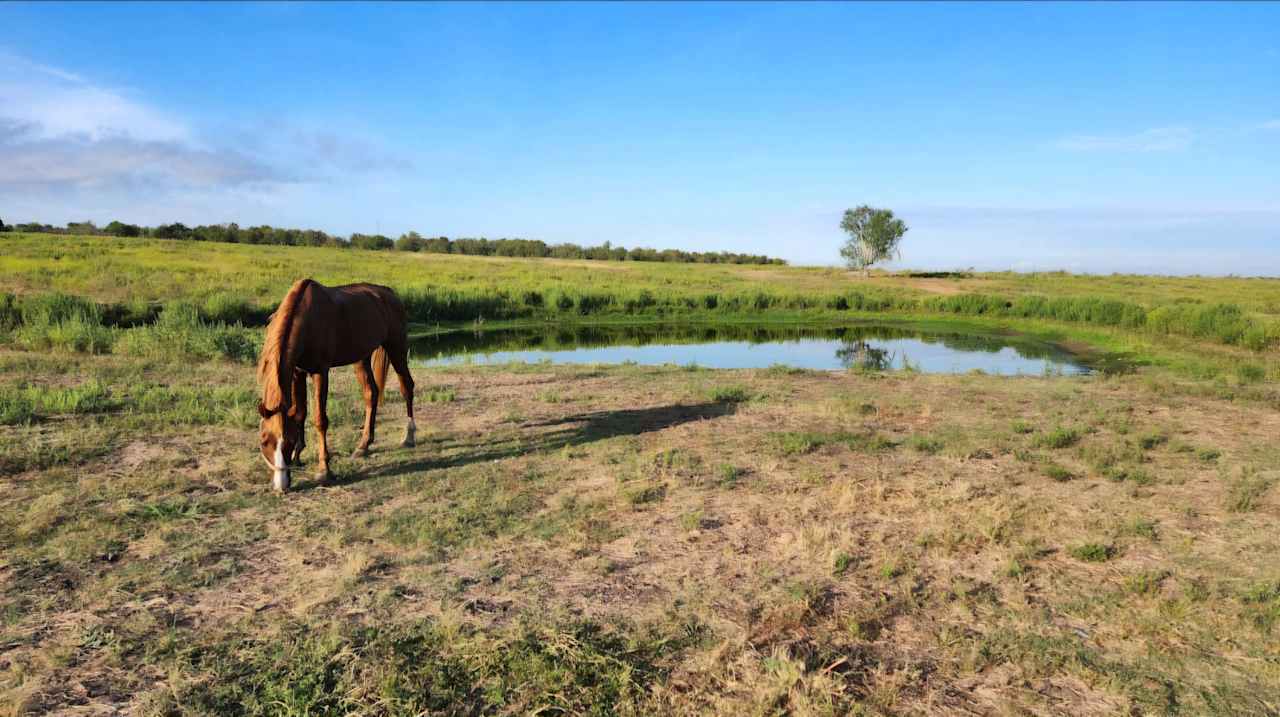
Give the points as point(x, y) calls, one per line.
point(1091, 137)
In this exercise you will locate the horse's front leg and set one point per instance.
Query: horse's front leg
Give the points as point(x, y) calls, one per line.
point(364, 373)
point(322, 423)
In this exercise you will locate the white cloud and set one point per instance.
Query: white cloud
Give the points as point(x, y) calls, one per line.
point(1270, 125)
point(61, 131)
point(1158, 139)
point(58, 103)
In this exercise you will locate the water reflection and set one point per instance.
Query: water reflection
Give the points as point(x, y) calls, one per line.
point(858, 354)
point(864, 347)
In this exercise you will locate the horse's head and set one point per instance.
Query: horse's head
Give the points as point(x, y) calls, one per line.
point(281, 436)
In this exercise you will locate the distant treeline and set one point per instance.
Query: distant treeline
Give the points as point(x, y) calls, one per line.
point(412, 241)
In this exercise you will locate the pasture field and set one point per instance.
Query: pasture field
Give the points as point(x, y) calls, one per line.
point(625, 539)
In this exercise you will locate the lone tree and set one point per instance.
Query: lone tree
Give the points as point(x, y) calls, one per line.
point(873, 236)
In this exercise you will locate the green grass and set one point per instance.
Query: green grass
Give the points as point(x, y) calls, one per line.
point(27, 404)
point(578, 667)
point(798, 443)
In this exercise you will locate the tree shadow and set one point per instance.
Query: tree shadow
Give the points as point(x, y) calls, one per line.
point(553, 435)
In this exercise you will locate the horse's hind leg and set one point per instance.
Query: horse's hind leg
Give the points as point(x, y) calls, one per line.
point(364, 374)
point(400, 362)
point(299, 402)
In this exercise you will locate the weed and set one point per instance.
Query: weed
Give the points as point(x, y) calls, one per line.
point(1262, 605)
point(730, 394)
point(1130, 474)
point(692, 520)
point(422, 668)
point(1058, 473)
point(1152, 440)
point(1251, 373)
point(925, 444)
point(1022, 427)
point(440, 394)
point(643, 494)
point(779, 369)
point(1141, 528)
point(1246, 490)
point(1146, 582)
point(1059, 437)
point(841, 563)
point(795, 443)
point(727, 475)
point(1092, 552)
point(1208, 455)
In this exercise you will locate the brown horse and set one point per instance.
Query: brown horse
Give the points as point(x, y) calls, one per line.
point(315, 329)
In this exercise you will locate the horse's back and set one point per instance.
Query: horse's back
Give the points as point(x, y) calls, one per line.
point(367, 316)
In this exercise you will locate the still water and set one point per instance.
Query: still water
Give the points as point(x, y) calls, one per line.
point(874, 347)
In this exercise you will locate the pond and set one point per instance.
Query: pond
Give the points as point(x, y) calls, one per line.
point(863, 346)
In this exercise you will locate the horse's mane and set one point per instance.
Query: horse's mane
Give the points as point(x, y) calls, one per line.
point(275, 365)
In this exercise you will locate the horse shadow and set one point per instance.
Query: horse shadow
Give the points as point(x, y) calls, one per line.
point(550, 435)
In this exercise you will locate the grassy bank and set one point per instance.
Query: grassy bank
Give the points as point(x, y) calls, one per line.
point(132, 279)
point(629, 540)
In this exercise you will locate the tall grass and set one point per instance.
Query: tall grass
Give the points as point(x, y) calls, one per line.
point(26, 404)
point(180, 332)
point(58, 322)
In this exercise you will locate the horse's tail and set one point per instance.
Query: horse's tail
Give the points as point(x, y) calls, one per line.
point(380, 361)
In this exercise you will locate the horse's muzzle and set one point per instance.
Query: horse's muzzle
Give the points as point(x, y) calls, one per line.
point(280, 480)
